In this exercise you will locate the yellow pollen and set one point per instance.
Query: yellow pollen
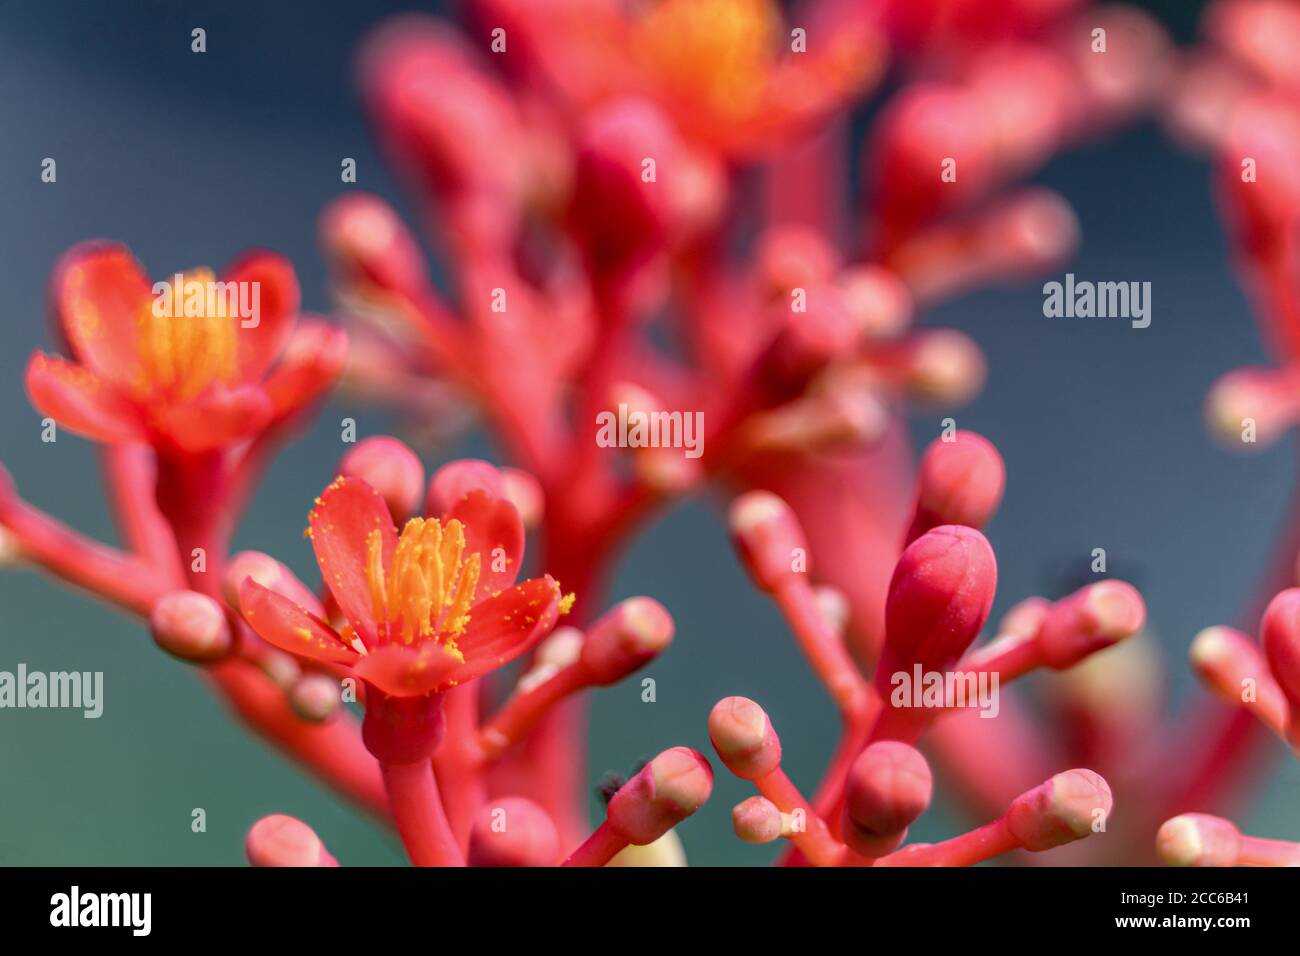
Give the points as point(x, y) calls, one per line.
point(716, 52)
point(190, 344)
point(428, 587)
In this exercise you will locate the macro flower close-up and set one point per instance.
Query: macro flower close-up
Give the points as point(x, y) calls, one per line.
point(836, 434)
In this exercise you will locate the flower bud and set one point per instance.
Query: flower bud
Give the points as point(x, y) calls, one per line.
point(744, 738)
point(757, 820)
point(1198, 839)
point(960, 482)
point(939, 597)
point(878, 301)
point(513, 831)
point(524, 491)
point(793, 256)
point(190, 626)
point(768, 537)
point(367, 244)
point(629, 636)
point(1092, 618)
point(1059, 811)
point(389, 467)
point(315, 697)
point(280, 840)
point(456, 479)
point(1280, 635)
point(945, 368)
point(888, 787)
point(666, 791)
point(271, 574)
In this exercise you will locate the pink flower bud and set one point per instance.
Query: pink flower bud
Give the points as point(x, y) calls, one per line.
point(1092, 618)
point(878, 301)
point(367, 244)
point(793, 256)
point(757, 820)
point(389, 467)
point(315, 697)
point(190, 626)
point(523, 491)
point(666, 791)
point(939, 597)
point(454, 480)
point(513, 831)
point(1198, 839)
point(887, 788)
point(280, 840)
point(629, 636)
point(945, 368)
point(1061, 810)
point(744, 738)
point(269, 573)
point(961, 482)
point(768, 537)
point(1264, 397)
point(1280, 635)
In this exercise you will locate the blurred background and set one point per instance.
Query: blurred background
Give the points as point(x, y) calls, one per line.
point(190, 159)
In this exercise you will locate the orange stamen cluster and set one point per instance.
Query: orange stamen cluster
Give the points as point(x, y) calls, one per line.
point(718, 51)
point(181, 353)
point(429, 586)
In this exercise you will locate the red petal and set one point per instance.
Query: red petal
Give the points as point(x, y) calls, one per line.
point(491, 523)
point(278, 302)
point(507, 625)
point(100, 292)
point(81, 401)
point(407, 670)
point(290, 626)
point(312, 362)
point(345, 515)
point(217, 417)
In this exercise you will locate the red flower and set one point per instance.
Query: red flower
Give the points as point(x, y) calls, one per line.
point(427, 609)
point(179, 368)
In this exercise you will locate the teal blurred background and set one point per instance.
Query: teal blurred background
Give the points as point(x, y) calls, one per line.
point(190, 159)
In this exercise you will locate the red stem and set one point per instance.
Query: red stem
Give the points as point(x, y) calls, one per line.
point(598, 849)
point(419, 815)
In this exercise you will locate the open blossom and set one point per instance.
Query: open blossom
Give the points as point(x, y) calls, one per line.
point(427, 608)
point(182, 370)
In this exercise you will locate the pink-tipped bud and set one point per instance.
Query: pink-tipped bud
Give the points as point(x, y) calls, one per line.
point(280, 840)
point(939, 597)
point(961, 482)
point(666, 791)
point(834, 607)
point(887, 788)
point(1066, 808)
point(1251, 408)
point(744, 738)
point(1092, 618)
point(794, 256)
point(269, 573)
point(315, 697)
point(1024, 618)
point(454, 480)
point(513, 831)
point(1232, 666)
point(945, 368)
point(877, 299)
point(1198, 839)
point(768, 537)
point(524, 491)
point(367, 244)
point(1280, 635)
point(190, 626)
point(630, 635)
point(757, 820)
point(389, 467)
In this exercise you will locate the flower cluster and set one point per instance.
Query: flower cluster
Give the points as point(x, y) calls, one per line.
point(643, 215)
